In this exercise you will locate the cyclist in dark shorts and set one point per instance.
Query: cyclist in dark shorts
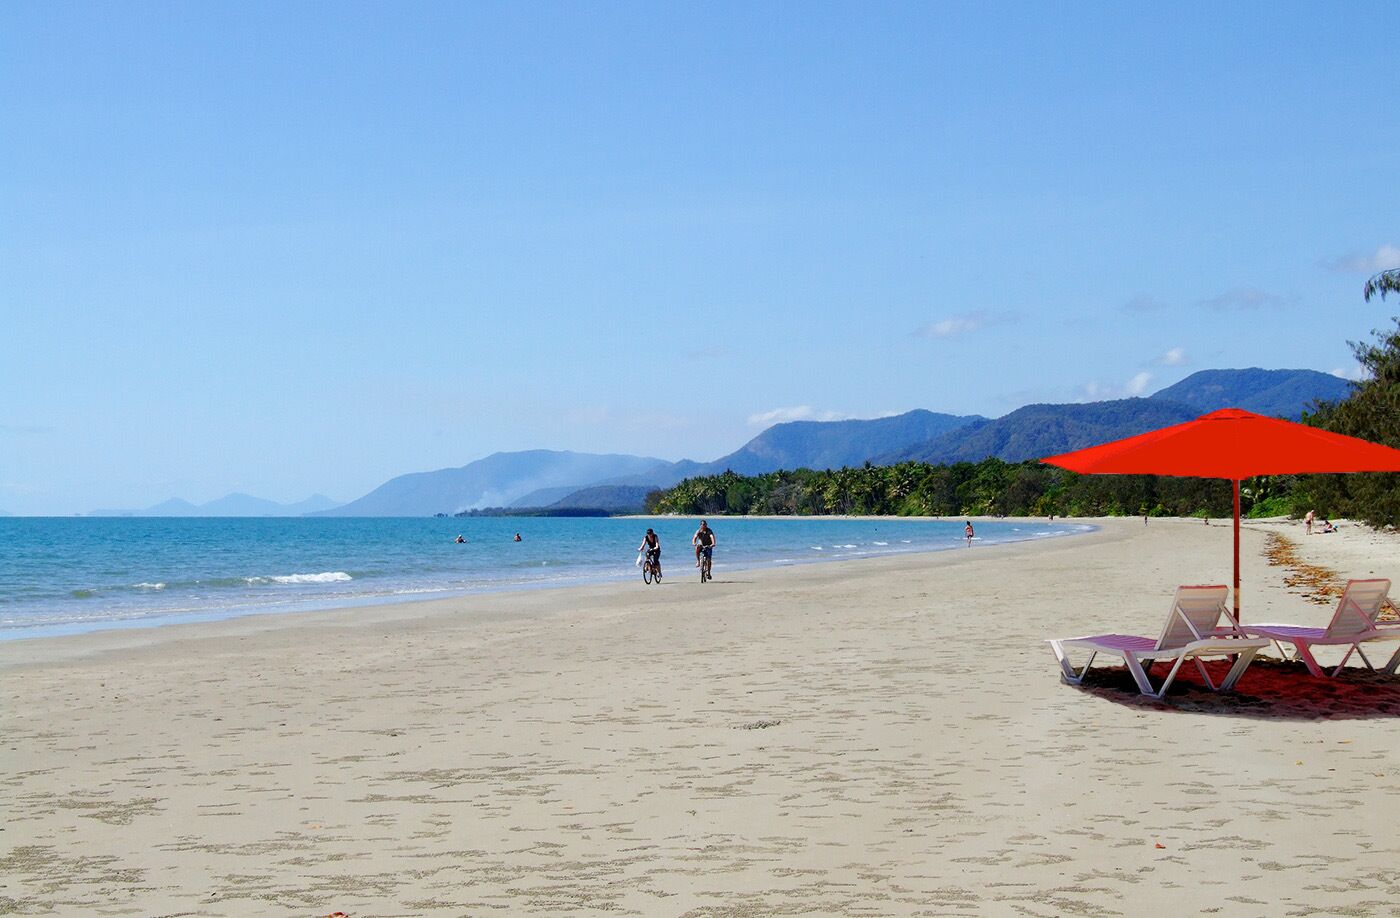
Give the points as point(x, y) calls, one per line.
point(651, 544)
point(704, 542)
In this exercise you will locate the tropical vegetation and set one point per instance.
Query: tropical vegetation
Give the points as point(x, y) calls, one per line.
point(1382, 283)
point(1372, 412)
point(991, 487)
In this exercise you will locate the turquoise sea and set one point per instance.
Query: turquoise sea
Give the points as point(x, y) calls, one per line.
point(71, 575)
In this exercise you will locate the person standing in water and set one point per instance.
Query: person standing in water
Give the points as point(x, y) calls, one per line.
point(967, 533)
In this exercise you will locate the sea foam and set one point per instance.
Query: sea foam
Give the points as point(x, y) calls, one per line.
point(325, 577)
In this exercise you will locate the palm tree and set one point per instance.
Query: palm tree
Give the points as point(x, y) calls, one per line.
point(1383, 283)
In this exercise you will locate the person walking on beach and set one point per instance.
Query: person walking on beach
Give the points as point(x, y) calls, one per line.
point(651, 544)
point(704, 541)
point(1307, 523)
point(967, 532)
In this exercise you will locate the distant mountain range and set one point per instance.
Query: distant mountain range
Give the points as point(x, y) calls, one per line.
point(1026, 433)
point(834, 444)
point(554, 480)
point(228, 505)
point(559, 480)
point(613, 498)
point(495, 481)
point(1044, 430)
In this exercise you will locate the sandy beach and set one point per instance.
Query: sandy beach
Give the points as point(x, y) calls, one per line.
point(877, 737)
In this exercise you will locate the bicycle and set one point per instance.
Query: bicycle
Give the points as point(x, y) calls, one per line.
point(651, 569)
point(705, 562)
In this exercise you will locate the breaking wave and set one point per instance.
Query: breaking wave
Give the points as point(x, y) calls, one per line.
point(325, 577)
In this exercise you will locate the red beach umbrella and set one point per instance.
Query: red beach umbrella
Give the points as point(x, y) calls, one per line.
point(1231, 444)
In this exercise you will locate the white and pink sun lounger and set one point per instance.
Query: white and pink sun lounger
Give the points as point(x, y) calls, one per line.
point(1353, 624)
point(1192, 631)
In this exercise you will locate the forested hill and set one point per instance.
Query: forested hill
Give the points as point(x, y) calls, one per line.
point(1045, 430)
point(834, 444)
point(1275, 393)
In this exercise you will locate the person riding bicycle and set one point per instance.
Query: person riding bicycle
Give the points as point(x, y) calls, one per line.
point(651, 544)
point(704, 542)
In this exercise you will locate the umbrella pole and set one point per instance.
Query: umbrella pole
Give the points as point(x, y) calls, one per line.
point(1237, 549)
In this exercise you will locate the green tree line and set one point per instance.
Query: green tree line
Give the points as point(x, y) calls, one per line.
point(1371, 412)
point(990, 487)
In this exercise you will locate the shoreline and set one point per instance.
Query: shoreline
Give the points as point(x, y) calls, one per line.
point(875, 735)
point(37, 650)
point(308, 605)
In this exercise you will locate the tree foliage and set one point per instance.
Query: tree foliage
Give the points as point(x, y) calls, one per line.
point(990, 487)
point(1371, 412)
point(1382, 283)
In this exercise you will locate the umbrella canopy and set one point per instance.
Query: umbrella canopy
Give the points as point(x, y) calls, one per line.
point(1231, 444)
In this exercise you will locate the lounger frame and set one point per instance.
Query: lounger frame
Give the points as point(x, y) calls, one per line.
point(1353, 624)
point(1191, 632)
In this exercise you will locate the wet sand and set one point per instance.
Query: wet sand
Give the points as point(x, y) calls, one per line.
point(876, 737)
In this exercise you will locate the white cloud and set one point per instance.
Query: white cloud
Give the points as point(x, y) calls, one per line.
point(1094, 391)
point(962, 324)
point(1382, 259)
point(1098, 392)
point(1176, 357)
point(1355, 372)
point(795, 413)
point(953, 325)
point(1247, 298)
point(1144, 303)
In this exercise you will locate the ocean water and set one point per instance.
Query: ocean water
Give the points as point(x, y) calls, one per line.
point(71, 575)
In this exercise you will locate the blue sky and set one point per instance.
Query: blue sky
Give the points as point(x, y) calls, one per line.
point(288, 248)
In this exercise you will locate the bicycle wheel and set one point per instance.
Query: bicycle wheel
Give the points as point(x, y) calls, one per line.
point(646, 572)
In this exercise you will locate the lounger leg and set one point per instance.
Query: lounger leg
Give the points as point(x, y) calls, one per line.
point(1362, 654)
point(1242, 662)
point(1390, 667)
point(1067, 672)
point(1205, 676)
point(1140, 677)
point(1305, 654)
point(1346, 656)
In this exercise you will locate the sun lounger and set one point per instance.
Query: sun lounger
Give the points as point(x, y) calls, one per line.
point(1192, 631)
point(1353, 624)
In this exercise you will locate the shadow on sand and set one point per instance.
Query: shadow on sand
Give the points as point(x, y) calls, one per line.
point(1270, 689)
